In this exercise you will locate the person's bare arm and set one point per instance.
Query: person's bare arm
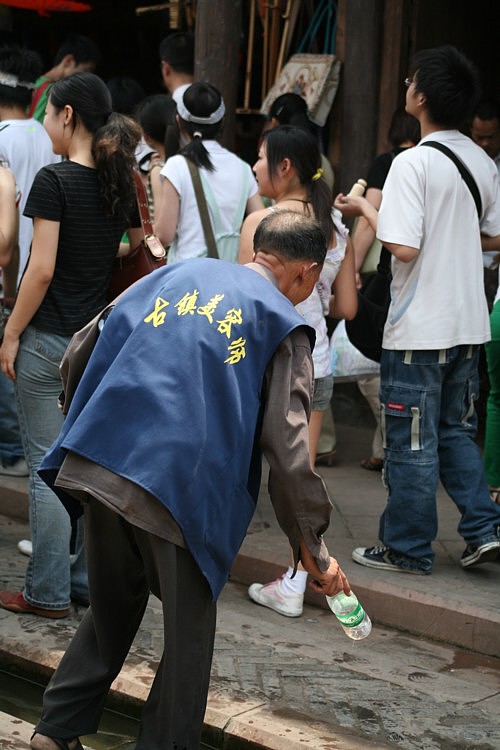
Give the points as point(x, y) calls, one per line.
point(168, 213)
point(36, 280)
point(254, 203)
point(355, 205)
point(344, 301)
point(490, 244)
point(245, 251)
point(8, 217)
point(10, 275)
point(365, 234)
point(404, 253)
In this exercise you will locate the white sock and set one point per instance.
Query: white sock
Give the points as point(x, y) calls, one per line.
point(295, 585)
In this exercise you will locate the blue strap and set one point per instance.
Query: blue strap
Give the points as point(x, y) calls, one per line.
point(325, 14)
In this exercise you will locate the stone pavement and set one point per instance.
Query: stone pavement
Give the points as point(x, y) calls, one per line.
point(294, 683)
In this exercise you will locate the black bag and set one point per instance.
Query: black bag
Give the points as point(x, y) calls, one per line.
point(366, 329)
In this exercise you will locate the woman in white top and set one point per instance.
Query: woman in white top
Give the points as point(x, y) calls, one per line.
point(228, 183)
point(288, 170)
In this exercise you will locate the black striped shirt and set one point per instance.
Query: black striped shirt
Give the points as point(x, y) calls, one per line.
point(89, 237)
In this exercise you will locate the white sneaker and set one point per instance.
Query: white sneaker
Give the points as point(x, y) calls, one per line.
point(18, 469)
point(25, 547)
point(271, 595)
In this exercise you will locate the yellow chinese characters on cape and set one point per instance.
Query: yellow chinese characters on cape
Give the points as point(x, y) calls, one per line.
point(188, 305)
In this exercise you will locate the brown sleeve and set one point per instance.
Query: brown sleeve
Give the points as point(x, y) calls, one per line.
point(76, 357)
point(299, 496)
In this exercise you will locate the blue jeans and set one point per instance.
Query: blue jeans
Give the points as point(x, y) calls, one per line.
point(11, 448)
point(429, 428)
point(52, 577)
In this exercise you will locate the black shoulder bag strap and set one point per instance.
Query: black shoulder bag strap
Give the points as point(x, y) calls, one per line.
point(203, 210)
point(464, 171)
point(384, 263)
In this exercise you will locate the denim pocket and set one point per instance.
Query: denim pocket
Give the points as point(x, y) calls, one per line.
point(50, 346)
point(402, 412)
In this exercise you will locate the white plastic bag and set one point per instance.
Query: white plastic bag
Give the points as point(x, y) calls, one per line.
point(347, 362)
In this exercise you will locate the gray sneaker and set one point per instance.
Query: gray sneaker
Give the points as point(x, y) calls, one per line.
point(383, 558)
point(487, 552)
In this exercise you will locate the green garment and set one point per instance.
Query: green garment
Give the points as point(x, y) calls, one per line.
point(39, 110)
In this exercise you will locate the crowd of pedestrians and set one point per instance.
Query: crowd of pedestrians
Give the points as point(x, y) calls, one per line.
point(174, 391)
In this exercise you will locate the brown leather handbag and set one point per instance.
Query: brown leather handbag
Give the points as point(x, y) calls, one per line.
point(146, 257)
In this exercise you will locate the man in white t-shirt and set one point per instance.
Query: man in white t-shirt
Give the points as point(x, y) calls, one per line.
point(25, 147)
point(437, 320)
point(177, 60)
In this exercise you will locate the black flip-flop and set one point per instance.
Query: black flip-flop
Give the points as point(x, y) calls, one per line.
point(62, 744)
point(372, 464)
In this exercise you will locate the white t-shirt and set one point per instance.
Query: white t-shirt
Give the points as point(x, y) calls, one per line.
point(438, 298)
point(25, 148)
point(226, 183)
point(315, 307)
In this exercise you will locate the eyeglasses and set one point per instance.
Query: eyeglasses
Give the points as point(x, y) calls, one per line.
point(408, 82)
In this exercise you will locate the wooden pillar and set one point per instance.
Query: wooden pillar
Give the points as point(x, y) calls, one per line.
point(217, 46)
point(395, 54)
point(360, 89)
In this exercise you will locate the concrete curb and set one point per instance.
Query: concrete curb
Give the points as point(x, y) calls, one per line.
point(392, 601)
point(231, 723)
point(394, 605)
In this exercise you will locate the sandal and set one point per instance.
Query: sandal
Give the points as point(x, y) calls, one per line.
point(73, 744)
point(372, 464)
point(325, 459)
point(495, 494)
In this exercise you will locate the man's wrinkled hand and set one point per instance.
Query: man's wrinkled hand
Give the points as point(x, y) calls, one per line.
point(331, 581)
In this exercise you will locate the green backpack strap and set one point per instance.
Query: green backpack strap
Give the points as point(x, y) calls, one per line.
point(214, 208)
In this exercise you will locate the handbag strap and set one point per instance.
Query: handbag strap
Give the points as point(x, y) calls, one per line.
point(464, 171)
point(324, 17)
point(202, 208)
point(142, 204)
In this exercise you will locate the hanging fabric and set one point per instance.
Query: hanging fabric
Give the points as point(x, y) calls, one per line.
point(315, 77)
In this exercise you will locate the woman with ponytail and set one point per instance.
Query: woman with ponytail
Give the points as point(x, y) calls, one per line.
point(80, 208)
point(288, 170)
point(291, 109)
point(228, 183)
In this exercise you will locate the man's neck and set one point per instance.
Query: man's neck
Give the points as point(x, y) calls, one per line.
point(427, 127)
point(263, 270)
point(55, 73)
point(13, 113)
point(178, 79)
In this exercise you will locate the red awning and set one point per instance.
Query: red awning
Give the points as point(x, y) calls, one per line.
point(45, 7)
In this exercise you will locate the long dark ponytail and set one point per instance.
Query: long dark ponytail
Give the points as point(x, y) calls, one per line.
point(114, 136)
point(200, 102)
point(298, 145)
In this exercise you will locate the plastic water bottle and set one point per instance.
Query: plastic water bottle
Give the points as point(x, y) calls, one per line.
point(358, 188)
point(351, 615)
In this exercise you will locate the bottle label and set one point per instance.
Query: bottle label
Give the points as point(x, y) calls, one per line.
point(353, 618)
